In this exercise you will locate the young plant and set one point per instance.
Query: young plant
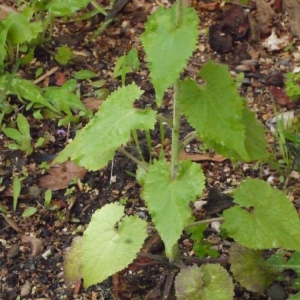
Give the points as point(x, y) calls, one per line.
point(292, 85)
point(21, 137)
point(223, 121)
point(126, 64)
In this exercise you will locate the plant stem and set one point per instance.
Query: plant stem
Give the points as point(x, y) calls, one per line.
point(179, 13)
point(138, 162)
point(175, 132)
point(204, 222)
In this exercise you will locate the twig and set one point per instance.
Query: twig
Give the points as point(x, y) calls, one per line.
point(168, 285)
point(47, 74)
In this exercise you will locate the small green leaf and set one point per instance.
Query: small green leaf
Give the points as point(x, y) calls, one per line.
point(29, 211)
point(29, 91)
point(16, 191)
point(132, 59)
point(73, 262)
point(279, 261)
point(64, 55)
point(168, 199)
point(111, 126)
point(295, 297)
point(48, 197)
point(264, 217)
point(66, 8)
point(63, 100)
point(107, 249)
point(208, 282)
point(250, 269)
point(23, 125)
point(85, 74)
point(98, 83)
point(13, 134)
point(167, 46)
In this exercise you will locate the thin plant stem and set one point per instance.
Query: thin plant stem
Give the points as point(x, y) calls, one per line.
point(136, 141)
point(179, 13)
point(162, 136)
point(175, 132)
point(138, 162)
point(203, 222)
point(149, 144)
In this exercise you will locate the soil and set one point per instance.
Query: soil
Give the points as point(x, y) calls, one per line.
point(234, 34)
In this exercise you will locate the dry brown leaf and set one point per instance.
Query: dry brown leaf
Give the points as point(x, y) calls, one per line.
point(60, 78)
point(34, 243)
point(60, 176)
point(11, 222)
point(26, 288)
point(5, 10)
point(201, 157)
point(92, 103)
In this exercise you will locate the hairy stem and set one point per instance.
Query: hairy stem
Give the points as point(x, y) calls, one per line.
point(203, 222)
point(138, 162)
point(175, 132)
point(179, 13)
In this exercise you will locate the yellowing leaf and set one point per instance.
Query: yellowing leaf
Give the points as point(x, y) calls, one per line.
point(271, 221)
point(168, 200)
point(208, 282)
point(168, 47)
point(73, 262)
point(108, 248)
point(250, 269)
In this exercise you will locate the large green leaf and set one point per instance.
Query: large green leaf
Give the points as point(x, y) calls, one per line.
point(220, 116)
point(250, 269)
point(168, 199)
point(168, 47)
point(264, 218)
point(208, 282)
point(96, 143)
point(107, 249)
point(66, 7)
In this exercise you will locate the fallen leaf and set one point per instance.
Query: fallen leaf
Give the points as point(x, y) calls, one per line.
point(34, 243)
point(281, 97)
point(273, 42)
point(5, 10)
point(59, 176)
point(201, 157)
point(11, 222)
point(60, 78)
point(13, 251)
point(26, 288)
point(92, 103)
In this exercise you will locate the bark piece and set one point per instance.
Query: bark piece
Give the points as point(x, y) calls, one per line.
point(292, 7)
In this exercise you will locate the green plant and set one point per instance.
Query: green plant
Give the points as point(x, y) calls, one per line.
point(48, 198)
point(21, 137)
point(64, 55)
point(126, 64)
point(292, 85)
point(223, 121)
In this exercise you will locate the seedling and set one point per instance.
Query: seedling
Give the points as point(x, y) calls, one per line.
point(126, 64)
point(48, 198)
point(21, 137)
